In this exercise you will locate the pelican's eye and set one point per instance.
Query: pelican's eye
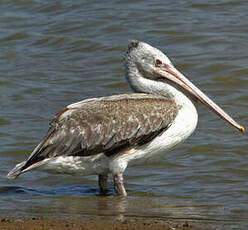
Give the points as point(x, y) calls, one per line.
point(158, 63)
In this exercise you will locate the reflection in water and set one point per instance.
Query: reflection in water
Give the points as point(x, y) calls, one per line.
point(120, 208)
point(73, 206)
point(83, 201)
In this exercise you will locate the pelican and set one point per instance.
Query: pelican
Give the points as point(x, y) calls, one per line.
point(101, 136)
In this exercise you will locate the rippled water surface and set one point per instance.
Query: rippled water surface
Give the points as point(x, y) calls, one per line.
point(53, 53)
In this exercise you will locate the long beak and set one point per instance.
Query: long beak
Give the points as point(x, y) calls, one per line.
point(172, 74)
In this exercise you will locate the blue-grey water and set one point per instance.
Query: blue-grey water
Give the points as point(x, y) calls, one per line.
point(53, 53)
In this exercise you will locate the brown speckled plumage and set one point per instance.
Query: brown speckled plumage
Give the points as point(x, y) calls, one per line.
point(106, 125)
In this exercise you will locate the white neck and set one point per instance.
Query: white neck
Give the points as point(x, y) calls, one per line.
point(144, 85)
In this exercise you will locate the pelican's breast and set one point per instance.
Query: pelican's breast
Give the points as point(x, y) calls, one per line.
point(181, 128)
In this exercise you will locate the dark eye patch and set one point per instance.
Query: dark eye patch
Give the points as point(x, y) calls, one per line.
point(158, 62)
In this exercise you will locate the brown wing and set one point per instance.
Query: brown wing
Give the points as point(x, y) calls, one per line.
point(105, 125)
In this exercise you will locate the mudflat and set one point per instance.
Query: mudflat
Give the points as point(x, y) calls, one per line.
point(42, 223)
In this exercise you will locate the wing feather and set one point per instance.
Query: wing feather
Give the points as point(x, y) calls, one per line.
point(105, 125)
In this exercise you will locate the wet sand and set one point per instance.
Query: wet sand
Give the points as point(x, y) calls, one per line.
point(23, 223)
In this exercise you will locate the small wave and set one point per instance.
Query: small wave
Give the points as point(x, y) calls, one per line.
point(15, 190)
point(74, 190)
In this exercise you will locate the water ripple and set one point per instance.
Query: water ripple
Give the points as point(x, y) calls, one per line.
point(53, 53)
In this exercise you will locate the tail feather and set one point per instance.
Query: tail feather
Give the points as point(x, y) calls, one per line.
point(15, 172)
point(28, 164)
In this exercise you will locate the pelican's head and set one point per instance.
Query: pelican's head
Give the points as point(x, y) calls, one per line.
point(145, 59)
point(147, 65)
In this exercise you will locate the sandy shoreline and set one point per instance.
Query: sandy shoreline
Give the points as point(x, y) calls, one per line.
point(42, 223)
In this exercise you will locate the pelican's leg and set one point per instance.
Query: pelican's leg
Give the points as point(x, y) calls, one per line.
point(102, 182)
point(119, 185)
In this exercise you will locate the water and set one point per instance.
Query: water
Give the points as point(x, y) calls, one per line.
point(53, 53)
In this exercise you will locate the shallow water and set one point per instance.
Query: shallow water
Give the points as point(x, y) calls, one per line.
point(53, 53)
